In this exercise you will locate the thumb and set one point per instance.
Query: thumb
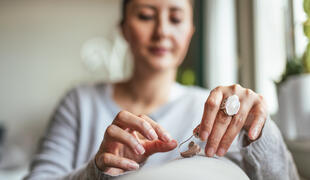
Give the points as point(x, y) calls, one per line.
point(156, 146)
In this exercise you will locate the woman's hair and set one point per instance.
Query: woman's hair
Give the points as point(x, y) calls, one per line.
point(124, 7)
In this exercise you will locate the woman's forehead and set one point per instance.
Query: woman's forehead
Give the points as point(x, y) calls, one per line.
point(159, 4)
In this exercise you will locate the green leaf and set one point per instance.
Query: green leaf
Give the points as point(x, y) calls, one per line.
point(306, 59)
point(307, 28)
point(307, 7)
point(293, 67)
point(186, 76)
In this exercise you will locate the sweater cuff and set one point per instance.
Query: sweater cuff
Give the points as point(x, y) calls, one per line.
point(96, 173)
point(89, 171)
point(268, 139)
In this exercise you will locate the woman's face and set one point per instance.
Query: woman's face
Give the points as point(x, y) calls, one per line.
point(158, 32)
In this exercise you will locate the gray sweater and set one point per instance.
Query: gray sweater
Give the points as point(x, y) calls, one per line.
point(78, 125)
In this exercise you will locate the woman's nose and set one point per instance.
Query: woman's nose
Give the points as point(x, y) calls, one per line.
point(162, 29)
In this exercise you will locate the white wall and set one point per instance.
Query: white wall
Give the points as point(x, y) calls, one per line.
point(40, 43)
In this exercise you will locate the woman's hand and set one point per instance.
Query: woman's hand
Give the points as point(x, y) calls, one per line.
point(130, 140)
point(221, 129)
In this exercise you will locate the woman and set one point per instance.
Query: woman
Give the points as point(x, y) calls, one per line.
point(158, 33)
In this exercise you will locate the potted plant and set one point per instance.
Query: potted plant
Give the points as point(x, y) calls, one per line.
point(294, 92)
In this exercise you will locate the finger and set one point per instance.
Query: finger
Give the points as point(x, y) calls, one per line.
point(108, 160)
point(259, 118)
point(161, 132)
point(234, 128)
point(113, 171)
point(125, 119)
point(116, 133)
point(211, 108)
point(156, 146)
point(220, 125)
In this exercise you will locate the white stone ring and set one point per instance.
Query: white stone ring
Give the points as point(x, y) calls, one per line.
point(231, 105)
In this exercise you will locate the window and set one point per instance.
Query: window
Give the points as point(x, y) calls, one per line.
point(272, 33)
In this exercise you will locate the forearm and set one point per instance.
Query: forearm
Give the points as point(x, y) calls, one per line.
point(90, 171)
point(85, 172)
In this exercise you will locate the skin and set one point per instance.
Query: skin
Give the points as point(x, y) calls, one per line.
point(220, 130)
point(159, 33)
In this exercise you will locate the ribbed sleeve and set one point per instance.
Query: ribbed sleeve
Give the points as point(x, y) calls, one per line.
point(268, 157)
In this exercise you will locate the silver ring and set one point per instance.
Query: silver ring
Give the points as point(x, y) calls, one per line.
point(231, 105)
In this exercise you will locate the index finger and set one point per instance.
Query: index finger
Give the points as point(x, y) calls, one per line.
point(125, 119)
point(161, 132)
point(211, 108)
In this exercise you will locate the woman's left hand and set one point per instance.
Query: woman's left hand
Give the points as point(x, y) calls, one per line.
point(221, 129)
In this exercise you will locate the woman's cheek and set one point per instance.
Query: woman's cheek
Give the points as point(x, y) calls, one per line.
point(139, 37)
point(182, 41)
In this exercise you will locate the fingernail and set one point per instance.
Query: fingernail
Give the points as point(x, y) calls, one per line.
point(140, 149)
point(255, 133)
point(221, 152)
point(133, 166)
point(167, 137)
point(152, 134)
point(210, 152)
point(204, 135)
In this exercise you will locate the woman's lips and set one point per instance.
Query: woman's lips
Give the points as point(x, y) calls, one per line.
point(158, 51)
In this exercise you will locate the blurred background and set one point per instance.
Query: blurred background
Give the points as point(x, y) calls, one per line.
point(48, 47)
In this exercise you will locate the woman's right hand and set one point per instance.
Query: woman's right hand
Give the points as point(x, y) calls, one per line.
point(130, 140)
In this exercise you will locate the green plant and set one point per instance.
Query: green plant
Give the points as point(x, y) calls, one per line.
point(186, 76)
point(300, 65)
point(293, 67)
point(306, 57)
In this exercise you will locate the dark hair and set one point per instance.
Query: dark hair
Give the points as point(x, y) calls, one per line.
point(124, 6)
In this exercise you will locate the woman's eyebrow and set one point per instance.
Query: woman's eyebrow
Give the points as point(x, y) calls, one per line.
point(176, 8)
point(139, 6)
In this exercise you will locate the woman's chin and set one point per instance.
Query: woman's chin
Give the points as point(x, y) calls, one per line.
point(162, 63)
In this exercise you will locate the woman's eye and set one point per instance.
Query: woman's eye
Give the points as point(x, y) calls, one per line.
point(175, 20)
point(145, 17)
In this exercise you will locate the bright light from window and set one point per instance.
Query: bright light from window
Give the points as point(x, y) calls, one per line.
point(270, 53)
